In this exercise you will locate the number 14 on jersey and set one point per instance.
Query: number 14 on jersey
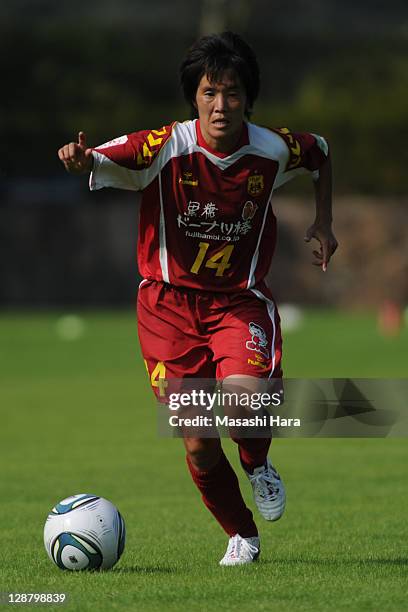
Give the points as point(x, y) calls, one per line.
point(219, 261)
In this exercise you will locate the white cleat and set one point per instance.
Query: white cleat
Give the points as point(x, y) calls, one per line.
point(269, 491)
point(241, 551)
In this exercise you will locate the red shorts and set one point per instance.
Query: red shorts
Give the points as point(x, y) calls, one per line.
point(186, 333)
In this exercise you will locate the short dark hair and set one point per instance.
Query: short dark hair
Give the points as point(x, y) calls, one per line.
point(214, 54)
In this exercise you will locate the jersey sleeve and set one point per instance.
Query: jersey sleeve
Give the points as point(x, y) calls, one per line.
point(131, 161)
point(304, 152)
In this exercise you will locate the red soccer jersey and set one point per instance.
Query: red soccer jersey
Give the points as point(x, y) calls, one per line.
point(206, 218)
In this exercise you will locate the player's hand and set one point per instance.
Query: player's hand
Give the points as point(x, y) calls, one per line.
point(328, 244)
point(76, 156)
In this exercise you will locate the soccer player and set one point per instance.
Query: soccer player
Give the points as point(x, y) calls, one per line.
point(206, 239)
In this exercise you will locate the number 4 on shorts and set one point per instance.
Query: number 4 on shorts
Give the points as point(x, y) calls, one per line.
point(158, 377)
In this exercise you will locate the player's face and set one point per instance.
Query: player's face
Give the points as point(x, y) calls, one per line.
point(221, 109)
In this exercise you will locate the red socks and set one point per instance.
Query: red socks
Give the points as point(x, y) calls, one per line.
point(220, 492)
point(253, 452)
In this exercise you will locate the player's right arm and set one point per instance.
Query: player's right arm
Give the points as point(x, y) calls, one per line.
point(131, 161)
point(76, 156)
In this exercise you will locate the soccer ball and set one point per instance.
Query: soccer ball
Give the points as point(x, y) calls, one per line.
point(84, 532)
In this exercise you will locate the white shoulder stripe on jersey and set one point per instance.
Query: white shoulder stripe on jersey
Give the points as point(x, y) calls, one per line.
point(271, 312)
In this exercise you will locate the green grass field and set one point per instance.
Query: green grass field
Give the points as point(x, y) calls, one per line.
point(79, 416)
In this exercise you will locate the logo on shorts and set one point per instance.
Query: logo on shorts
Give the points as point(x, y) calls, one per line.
point(249, 210)
point(259, 340)
point(259, 357)
point(255, 184)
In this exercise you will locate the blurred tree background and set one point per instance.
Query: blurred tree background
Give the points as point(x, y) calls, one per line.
point(336, 68)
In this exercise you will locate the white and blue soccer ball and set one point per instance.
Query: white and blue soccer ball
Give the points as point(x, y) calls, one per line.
point(84, 532)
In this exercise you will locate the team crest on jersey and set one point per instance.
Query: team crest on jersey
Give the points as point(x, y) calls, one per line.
point(255, 184)
point(249, 210)
point(188, 179)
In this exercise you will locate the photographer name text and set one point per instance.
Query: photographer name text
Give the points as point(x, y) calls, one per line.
point(226, 421)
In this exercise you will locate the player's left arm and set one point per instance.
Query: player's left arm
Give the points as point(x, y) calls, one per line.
point(306, 152)
point(321, 228)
